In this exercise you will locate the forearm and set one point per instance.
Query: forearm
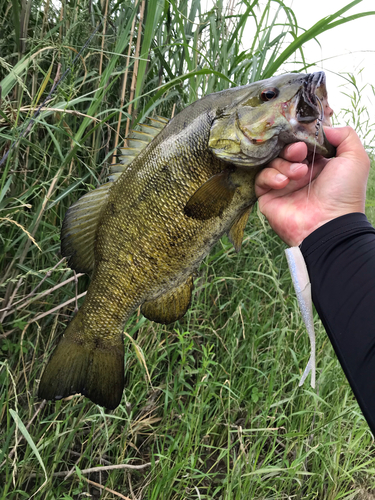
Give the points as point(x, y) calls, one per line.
point(340, 258)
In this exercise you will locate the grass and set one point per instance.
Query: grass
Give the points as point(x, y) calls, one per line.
point(223, 416)
point(218, 413)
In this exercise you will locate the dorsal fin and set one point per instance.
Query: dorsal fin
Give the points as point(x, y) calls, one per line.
point(159, 121)
point(79, 229)
point(137, 141)
point(150, 129)
point(81, 220)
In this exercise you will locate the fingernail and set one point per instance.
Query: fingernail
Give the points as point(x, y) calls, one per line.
point(281, 177)
point(295, 166)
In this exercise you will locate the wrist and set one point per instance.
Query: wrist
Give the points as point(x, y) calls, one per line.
point(340, 228)
point(340, 220)
point(298, 235)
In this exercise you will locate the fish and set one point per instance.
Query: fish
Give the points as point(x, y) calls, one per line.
point(177, 189)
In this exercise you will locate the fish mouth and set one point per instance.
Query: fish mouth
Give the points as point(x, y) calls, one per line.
point(309, 112)
point(309, 107)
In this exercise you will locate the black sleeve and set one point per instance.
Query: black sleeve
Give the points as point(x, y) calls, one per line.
point(340, 258)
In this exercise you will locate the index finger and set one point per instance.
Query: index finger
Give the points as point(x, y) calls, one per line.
point(295, 153)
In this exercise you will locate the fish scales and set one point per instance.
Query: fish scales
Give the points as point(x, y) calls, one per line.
point(148, 251)
point(154, 225)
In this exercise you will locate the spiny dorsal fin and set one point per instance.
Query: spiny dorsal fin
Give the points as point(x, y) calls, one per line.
point(150, 129)
point(141, 135)
point(137, 141)
point(79, 229)
point(159, 121)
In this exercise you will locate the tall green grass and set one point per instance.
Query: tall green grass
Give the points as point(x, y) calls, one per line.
point(218, 413)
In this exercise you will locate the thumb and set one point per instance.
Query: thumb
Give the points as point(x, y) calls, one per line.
point(348, 145)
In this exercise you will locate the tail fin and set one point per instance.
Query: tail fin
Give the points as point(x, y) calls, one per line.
point(93, 367)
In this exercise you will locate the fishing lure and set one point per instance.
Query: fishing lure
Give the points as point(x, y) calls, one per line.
point(302, 286)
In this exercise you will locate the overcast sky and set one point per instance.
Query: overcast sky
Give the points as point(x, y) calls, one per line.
point(349, 48)
point(346, 48)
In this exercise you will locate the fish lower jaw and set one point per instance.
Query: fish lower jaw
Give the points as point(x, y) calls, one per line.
point(317, 144)
point(307, 133)
point(243, 160)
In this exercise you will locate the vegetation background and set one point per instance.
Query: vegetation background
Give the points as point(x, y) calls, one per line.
point(212, 408)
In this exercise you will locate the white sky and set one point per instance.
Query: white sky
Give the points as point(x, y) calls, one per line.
point(346, 48)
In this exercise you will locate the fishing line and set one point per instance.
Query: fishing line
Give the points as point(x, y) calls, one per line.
point(311, 172)
point(317, 129)
point(27, 128)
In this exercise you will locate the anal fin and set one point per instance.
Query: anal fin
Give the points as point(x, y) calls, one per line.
point(236, 232)
point(171, 306)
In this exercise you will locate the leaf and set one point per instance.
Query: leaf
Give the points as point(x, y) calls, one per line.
point(154, 11)
point(179, 79)
point(31, 443)
point(44, 83)
point(324, 24)
point(68, 190)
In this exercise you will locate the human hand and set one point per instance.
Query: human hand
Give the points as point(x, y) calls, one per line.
point(295, 207)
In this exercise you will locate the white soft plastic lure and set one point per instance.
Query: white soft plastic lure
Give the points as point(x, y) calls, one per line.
point(302, 286)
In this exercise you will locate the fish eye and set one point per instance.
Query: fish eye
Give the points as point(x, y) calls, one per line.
point(269, 94)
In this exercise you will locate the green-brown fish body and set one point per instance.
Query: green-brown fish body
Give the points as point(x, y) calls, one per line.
point(143, 236)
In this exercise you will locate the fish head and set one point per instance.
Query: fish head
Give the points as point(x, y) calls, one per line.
point(253, 124)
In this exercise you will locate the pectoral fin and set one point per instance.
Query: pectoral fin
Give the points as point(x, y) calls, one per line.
point(212, 198)
point(236, 232)
point(170, 306)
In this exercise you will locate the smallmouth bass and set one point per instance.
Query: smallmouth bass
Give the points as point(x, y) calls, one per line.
point(143, 235)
